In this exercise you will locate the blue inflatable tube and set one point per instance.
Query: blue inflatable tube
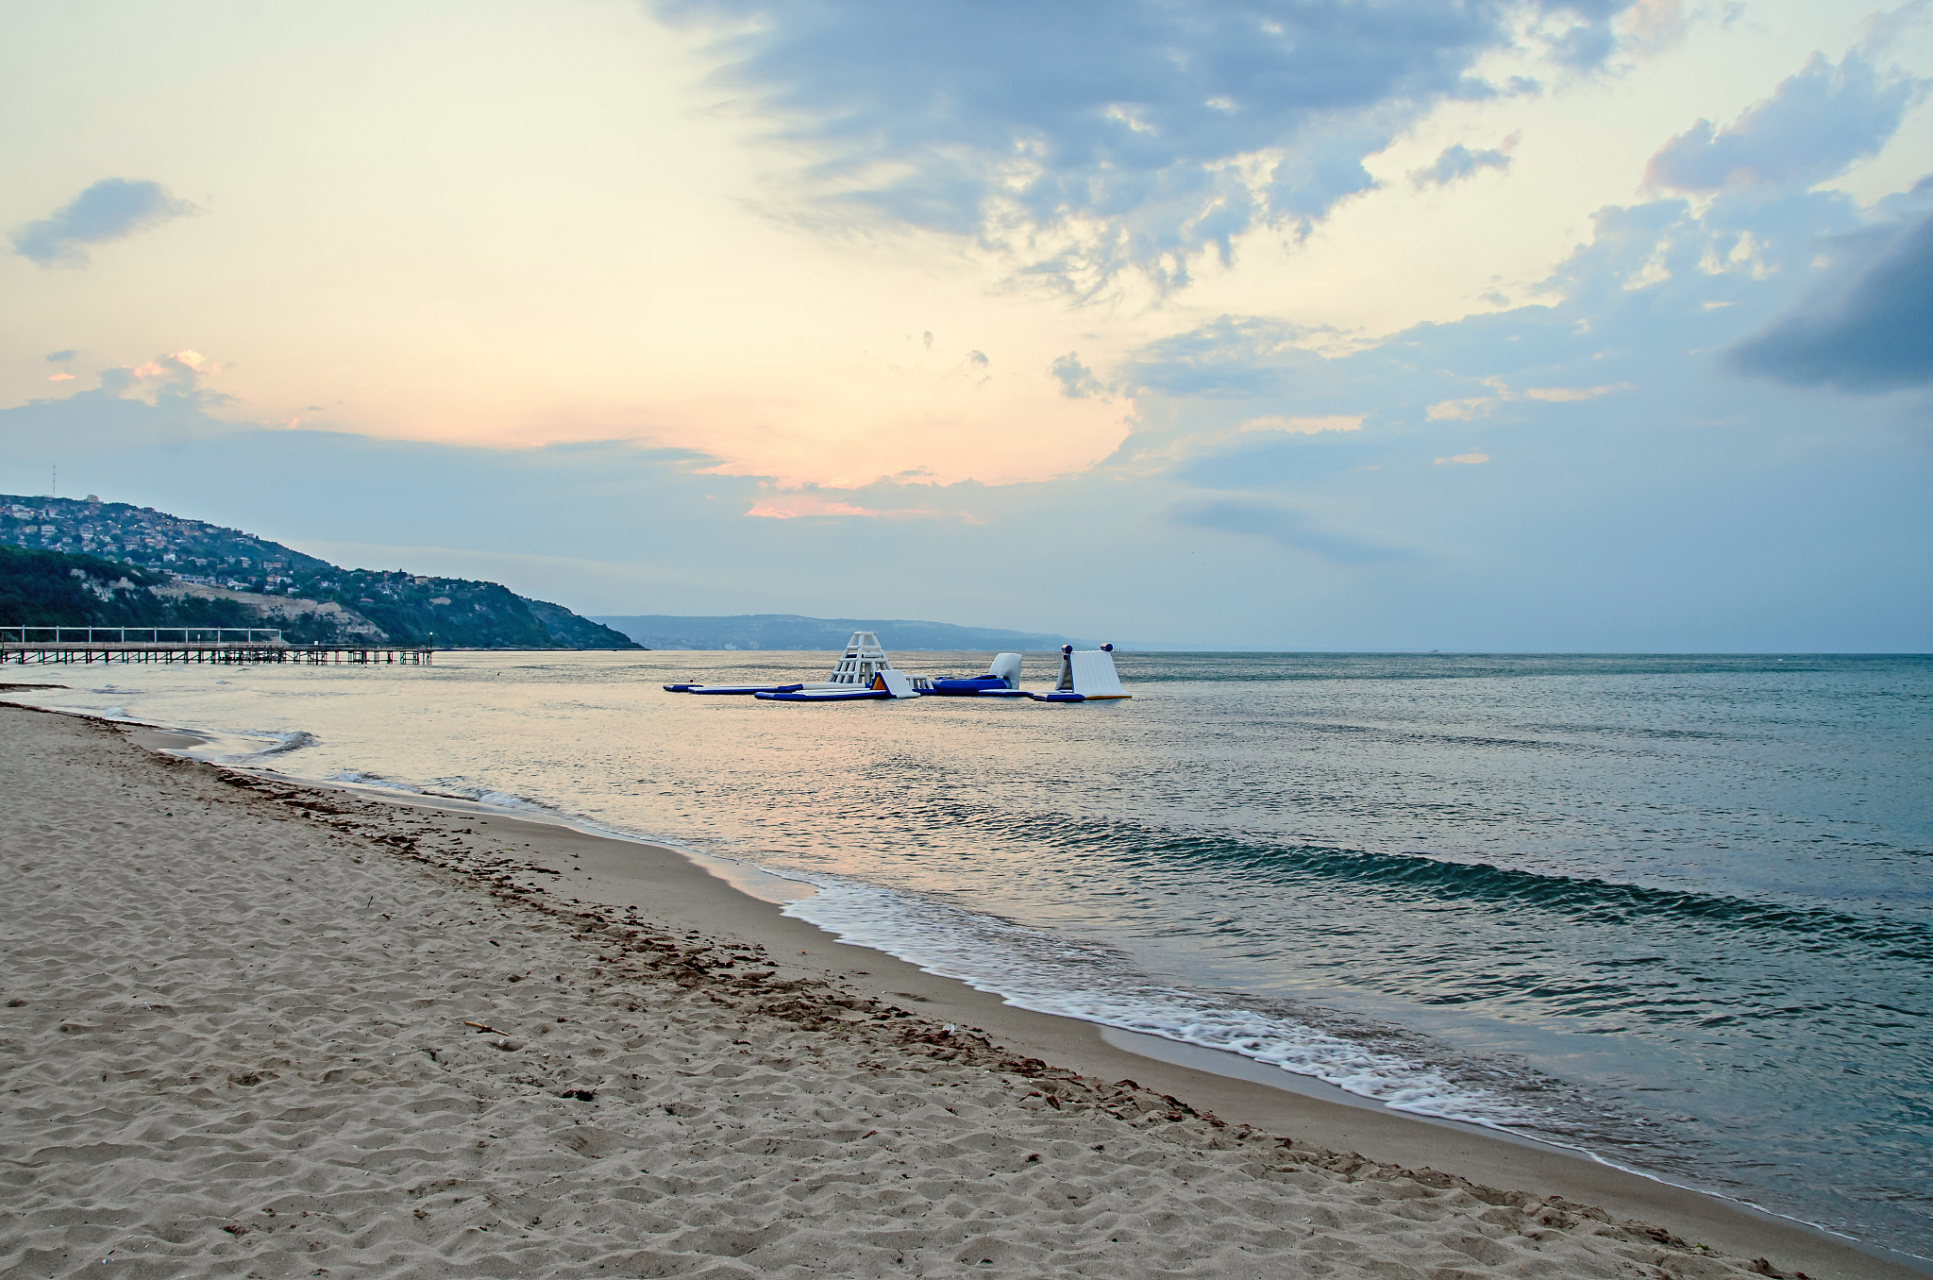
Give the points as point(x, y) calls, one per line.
point(967, 686)
point(791, 695)
point(739, 689)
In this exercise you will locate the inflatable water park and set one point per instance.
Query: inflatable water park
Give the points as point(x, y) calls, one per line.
point(865, 673)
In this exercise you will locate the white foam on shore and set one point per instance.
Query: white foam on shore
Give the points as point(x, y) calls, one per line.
point(1043, 972)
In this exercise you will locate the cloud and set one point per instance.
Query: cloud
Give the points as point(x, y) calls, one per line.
point(1583, 46)
point(1481, 406)
point(1598, 354)
point(1272, 460)
point(1305, 426)
point(1232, 357)
point(1814, 127)
point(1281, 523)
point(1461, 410)
point(1870, 330)
point(111, 209)
point(176, 376)
point(1464, 459)
point(60, 357)
point(1459, 162)
point(1652, 26)
point(1882, 31)
point(1086, 138)
point(793, 507)
point(1571, 395)
point(1821, 543)
point(1077, 381)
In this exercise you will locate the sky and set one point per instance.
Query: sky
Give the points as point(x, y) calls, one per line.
point(1599, 325)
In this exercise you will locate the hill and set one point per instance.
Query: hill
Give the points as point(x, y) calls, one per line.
point(790, 631)
point(113, 564)
point(48, 589)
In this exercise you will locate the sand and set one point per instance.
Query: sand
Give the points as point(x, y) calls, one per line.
point(254, 1029)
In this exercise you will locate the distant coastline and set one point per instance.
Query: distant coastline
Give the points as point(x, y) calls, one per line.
point(764, 631)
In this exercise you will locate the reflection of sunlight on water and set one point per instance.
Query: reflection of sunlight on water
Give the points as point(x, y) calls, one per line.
point(1251, 829)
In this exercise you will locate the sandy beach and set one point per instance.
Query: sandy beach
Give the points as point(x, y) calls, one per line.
point(258, 1029)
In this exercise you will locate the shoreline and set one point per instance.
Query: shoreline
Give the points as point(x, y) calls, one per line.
point(746, 880)
point(575, 873)
point(1293, 1107)
point(1222, 1083)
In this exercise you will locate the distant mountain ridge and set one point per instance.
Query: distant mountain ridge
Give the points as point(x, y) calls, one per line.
point(93, 563)
point(792, 631)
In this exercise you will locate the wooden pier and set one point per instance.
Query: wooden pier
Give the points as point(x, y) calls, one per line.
point(41, 645)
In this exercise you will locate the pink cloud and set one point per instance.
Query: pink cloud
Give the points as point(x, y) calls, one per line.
point(181, 365)
point(791, 508)
point(786, 506)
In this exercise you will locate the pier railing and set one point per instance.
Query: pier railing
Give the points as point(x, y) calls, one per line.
point(142, 635)
point(23, 645)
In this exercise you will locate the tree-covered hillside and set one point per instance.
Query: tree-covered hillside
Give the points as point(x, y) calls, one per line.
point(184, 568)
point(48, 589)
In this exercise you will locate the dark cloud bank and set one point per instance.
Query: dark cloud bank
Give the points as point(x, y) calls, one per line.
point(1091, 137)
point(1869, 331)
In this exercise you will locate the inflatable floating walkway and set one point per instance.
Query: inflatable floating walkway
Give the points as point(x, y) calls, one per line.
point(887, 683)
point(865, 674)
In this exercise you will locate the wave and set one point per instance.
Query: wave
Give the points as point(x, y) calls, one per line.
point(358, 778)
point(286, 742)
point(453, 789)
point(1385, 1063)
point(459, 789)
point(247, 746)
point(1581, 900)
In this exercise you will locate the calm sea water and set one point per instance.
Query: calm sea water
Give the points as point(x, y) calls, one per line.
point(1676, 911)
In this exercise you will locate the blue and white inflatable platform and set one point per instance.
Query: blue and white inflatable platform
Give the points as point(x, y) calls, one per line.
point(853, 677)
point(1086, 675)
point(864, 673)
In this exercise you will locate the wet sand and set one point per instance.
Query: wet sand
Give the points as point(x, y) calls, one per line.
point(254, 1028)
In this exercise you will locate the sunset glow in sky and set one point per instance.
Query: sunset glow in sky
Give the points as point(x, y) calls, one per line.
point(1563, 323)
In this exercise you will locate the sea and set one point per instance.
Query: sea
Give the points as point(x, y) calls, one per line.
point(1672, 912)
